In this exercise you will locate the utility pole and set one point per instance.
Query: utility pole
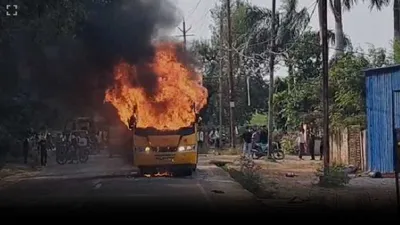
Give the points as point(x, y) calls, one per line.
point(230, 72)
point(221, 66)
point(271, 81)
point(184, 33)
point(323, 23)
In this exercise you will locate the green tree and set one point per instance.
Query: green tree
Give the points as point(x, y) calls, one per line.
point(348, 87)
point(207, 54)
point(38, 25)
point(337, 7)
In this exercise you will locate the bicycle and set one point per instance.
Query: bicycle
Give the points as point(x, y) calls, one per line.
point(68, 151)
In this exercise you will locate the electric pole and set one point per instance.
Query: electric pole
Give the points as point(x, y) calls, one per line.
point(221, 66)
point(230, 72)
point(271, 81)
point(184, 33)
point(323, 23)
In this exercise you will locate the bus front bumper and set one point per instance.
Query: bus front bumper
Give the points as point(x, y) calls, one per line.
point(165, 158)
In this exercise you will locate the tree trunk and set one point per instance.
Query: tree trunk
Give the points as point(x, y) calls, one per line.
point(396, 19)
point(291, 78)
point(336, 7)
point(396, 29)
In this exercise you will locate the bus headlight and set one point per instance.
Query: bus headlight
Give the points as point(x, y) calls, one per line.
point(143, 149)
point(186, 148)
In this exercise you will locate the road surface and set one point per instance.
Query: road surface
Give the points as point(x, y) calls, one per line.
point(107, 185)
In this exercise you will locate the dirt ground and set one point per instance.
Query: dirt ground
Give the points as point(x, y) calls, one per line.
point(303, 188)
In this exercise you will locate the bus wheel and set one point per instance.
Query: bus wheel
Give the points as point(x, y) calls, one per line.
point(140, 172)
point(187, 172)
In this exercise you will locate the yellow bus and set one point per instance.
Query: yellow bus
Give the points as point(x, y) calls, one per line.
point(174, 152)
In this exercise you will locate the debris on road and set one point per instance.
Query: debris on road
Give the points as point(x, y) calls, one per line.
point(217, 192)
point(296, 199)
point(376, 174)
point(290, 175)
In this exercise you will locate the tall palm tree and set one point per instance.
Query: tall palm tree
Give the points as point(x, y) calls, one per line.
point(396, 20)
point(293, 22)
point(338, 5)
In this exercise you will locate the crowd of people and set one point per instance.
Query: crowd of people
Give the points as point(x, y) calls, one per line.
point(253, 136)
point(213, 138)
point(305, 139)
point(39, 143)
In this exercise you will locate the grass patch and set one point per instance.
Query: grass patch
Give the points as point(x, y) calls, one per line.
point(336, 176)
point(249, 177)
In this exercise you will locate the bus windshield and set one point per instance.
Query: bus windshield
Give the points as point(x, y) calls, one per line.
point(152, 131)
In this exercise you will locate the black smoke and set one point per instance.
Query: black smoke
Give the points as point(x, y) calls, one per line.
point(124, 30)
point(82, 67)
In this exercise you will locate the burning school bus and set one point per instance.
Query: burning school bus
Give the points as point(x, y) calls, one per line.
point(164, 121)
point(165, 150)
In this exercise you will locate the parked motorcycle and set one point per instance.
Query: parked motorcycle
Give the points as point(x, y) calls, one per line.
point(260, 150)
point(224, 140)
point(69, 152)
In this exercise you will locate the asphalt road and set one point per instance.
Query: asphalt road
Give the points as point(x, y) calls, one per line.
point(58, 189)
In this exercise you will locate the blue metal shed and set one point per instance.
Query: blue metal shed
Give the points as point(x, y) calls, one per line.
point(382, 96)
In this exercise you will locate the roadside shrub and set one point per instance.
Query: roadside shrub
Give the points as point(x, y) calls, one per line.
point(251, 175)
point(288, 144)
point(335, 177)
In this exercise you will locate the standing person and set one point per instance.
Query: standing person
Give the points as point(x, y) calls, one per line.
point(211, 140)
point(200, 138)
point(301, 142)
point(255, 136)
point(43, 149)
point(264, 135)
point(321, 148)
point(247, 142)
point(98, 139)
point(49, 141)
point(311, 142)
point(217, 138)
point(26, 147)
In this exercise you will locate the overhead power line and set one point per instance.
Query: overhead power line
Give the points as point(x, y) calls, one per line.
point(195, 8)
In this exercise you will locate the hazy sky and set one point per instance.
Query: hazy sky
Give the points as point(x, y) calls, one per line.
point(361, 24)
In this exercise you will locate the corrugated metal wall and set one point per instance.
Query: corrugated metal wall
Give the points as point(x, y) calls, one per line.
point(380, 84)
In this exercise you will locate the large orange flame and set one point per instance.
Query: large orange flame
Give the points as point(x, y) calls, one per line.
point(175, 102)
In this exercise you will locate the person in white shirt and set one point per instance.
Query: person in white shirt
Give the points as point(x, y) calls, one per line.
point(211, 138)
point(200, 138)
point(217, 138)
point(301, 142)
point(82, 141)
point(43, 149)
